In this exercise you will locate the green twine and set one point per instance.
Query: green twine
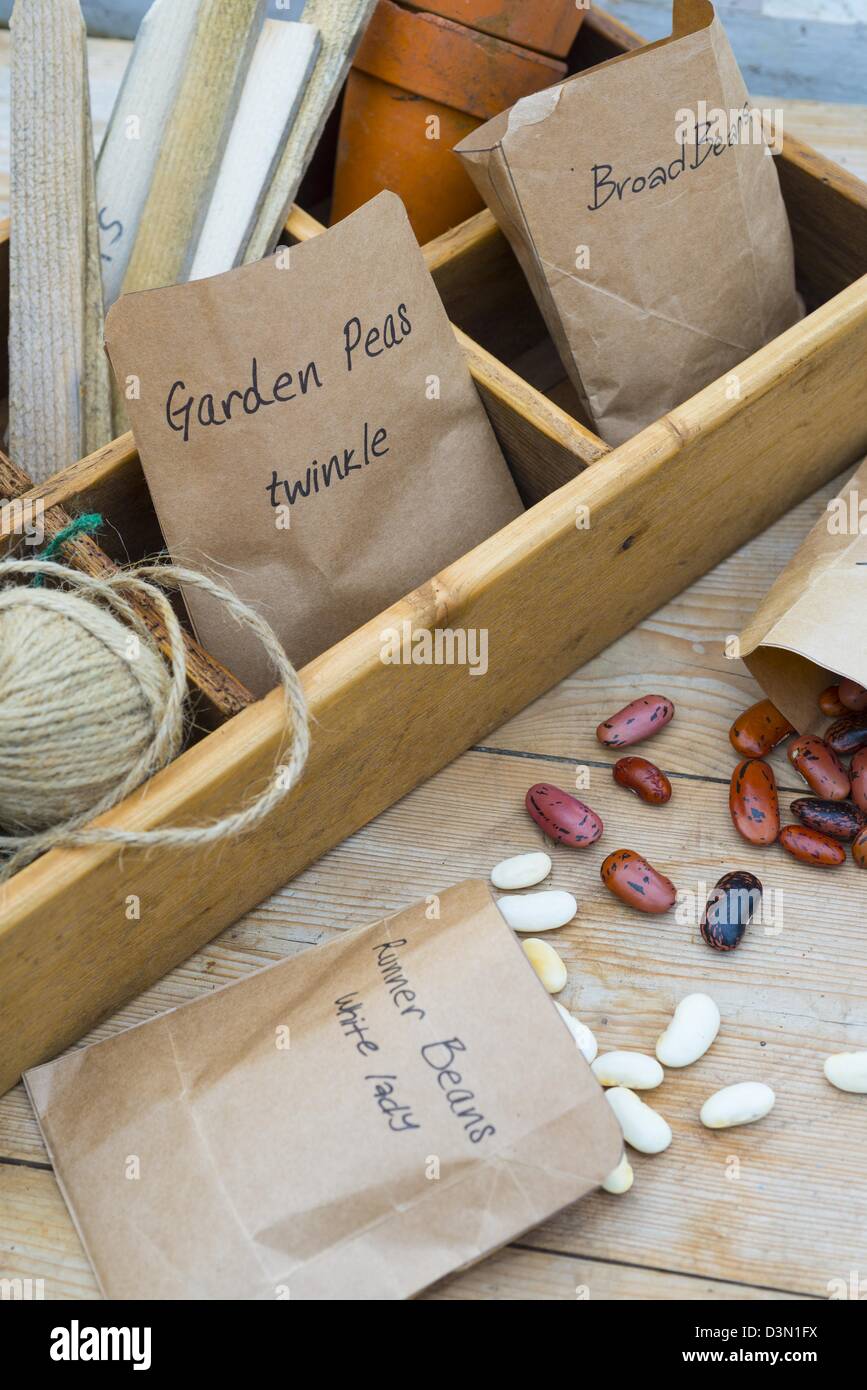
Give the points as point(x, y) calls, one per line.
point(84, 525)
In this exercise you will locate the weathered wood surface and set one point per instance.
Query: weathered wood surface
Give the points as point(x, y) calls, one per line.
point(133, 139)
point(274, 87)
point(193, 142)
point(687, 1230)
point(665, 507)
point(341, 24)
point(806, 49)
point(58, 393)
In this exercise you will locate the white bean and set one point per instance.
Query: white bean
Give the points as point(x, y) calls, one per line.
point(632, 1069)
point(740, 1104)
point(584, 1039)
point(847, 1071)
point(538, 911)
point(546, 963)
point(620, 1179)
point(643, 1127)
point(690, 1033)
point(521, 871)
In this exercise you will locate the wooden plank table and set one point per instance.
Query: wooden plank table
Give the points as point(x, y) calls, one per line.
point(752, 1213)
point(773, 1211)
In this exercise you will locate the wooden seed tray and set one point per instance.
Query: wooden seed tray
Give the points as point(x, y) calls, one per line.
point(664, 508)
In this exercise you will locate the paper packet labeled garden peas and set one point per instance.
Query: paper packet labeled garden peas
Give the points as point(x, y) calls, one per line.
point(353, 1123)
point(643, 205)
point(811, 628)
point(310, 434)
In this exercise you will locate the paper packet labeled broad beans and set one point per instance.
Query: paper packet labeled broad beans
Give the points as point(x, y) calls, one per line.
point(642, 202)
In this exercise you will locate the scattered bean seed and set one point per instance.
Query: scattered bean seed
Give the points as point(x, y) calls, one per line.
point(847, 1071)
point(620, 1179)
point(690, 1033)
point(562, 817)
point(521, 871)
point(547, 964)
point(636, 883)
point(536, 912)
point(636, 721)
point(852, 695)
point(820, 767)
point(631, 1069)
point(740, 1104)
point(811, 847)
point(643, 778)
point(753, 802)
point(643, 1127)
point(759, 729)
point(584, 1039)
point(730, 908)
point(840, 819)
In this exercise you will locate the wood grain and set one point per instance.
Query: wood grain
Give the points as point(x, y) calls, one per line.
point(341, 24)
point(801, 993)
point(59, 396)
point(38, 1241)
point(133, 139)
point(193, 142)
point(685, 488)
point(522, 1275)
point(274, 87)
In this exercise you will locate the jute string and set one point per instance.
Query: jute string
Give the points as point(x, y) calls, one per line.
point(86, 715)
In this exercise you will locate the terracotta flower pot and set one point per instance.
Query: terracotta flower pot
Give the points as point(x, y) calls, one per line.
point(419, 84)
point(550, 26)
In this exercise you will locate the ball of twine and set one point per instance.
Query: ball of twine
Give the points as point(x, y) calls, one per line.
point(89, 709)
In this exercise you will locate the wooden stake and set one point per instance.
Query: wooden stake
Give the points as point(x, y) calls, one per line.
point(341, 24)
point(193, 142)
point(58, 391)
point(275, 84)
point(97, 425)
point(135, 132)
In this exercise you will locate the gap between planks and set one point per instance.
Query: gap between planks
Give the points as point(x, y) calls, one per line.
point(41, 1243)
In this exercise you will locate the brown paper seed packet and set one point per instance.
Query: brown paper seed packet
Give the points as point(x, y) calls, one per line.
point(310, 433)
point(353, 1123)
point(811, 627)
point(643, 205)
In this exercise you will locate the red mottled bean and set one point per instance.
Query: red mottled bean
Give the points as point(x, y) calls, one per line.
point(811, 847)
point(820, 767)
point(859, 849)
point(852, 695)
point(830, 703)
point(848, 734)
point(840, 819)
point(636, 883)
point(562, 817)
point(729, 909)
point(759, 729)
point(644, 778)
point(753, 802)
point(636, 721)
point(858, 774)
